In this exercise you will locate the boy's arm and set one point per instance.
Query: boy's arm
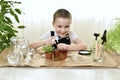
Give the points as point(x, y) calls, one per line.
point(37, 44)
point(49, 41)
point(78, 45)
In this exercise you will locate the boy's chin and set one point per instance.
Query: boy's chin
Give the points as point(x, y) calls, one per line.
point(62, 36)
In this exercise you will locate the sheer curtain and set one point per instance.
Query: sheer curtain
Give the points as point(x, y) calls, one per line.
point(89, 16)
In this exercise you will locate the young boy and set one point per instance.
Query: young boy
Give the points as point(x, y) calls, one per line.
point(61, 23)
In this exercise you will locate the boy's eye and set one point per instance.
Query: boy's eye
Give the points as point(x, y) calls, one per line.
point(59, 26)
point(66, 26)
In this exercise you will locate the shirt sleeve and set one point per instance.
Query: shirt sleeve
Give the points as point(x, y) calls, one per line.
point(73, 36)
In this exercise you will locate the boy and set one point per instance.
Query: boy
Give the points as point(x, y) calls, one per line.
point(61, 23)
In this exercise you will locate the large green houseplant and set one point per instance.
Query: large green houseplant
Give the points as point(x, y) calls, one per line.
point(8, 12)
point(113, 37)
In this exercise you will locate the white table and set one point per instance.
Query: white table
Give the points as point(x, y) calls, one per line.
point(13, 73)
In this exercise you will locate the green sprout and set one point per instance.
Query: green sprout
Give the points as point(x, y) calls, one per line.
point(47, 48)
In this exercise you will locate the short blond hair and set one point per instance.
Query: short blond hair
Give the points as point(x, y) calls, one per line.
point(62, 13)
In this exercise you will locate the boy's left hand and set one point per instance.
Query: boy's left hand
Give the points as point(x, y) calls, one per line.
point(62, 46)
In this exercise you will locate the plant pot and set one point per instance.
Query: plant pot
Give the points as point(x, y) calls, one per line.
point(48, 55)
point(56, 54)
point(62, 54)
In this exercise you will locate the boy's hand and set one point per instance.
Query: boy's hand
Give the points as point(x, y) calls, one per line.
point(50, 41)
point(62, 46)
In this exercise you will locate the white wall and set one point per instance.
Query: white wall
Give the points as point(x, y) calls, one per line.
point(89, 16)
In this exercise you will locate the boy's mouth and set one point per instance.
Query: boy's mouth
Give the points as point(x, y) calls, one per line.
point(63, 35)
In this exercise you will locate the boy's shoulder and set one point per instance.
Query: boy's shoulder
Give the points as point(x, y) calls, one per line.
point(71, 32)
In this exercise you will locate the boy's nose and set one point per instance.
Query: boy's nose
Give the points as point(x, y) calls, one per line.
point(62, 30)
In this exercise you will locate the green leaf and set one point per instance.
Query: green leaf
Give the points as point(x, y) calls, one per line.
point(21, 27)
point(8, 19)
point(9, 30)
point(47, 48)
point(1, 16)
point(15, 31)
point(16, 18)
point(6, 6)
point(17, 2)
point(12, 12)
point(2, 25)
point(18, 11)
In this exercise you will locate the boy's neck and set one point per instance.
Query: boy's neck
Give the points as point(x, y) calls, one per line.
point(67, 35)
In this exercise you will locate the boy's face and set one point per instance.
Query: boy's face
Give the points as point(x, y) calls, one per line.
point(62, 26)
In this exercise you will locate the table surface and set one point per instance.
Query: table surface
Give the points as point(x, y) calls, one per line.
point(107, 70)
point(111, 59)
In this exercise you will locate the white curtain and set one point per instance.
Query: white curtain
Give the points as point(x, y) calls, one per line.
point(89, 16)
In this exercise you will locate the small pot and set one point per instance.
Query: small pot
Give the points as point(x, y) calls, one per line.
point(56, 53)
point(48, 55)
point(62, 54)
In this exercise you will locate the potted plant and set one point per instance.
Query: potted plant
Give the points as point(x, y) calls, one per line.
point(7, 29)
point(63, 54)
point(60, 54)
point(48, 50)
point(113, 37)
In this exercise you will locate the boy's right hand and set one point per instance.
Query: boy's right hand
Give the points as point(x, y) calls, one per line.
point(62, 46)
point(50, 41)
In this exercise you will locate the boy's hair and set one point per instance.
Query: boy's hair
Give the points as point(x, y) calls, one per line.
point(62, 13)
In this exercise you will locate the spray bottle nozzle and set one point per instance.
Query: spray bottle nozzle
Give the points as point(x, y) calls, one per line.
point(96, 35)
point(52, 33)
point(104, 37)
